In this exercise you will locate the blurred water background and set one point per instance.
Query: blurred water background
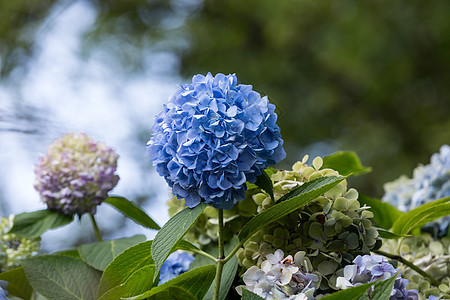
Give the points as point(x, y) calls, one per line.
point(371, 77)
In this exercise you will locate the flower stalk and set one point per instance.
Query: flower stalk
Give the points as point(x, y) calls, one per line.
point(96, 229)
point(220, 259)
point(409, 264)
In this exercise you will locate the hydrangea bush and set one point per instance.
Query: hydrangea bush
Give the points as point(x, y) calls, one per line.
point(240, 228)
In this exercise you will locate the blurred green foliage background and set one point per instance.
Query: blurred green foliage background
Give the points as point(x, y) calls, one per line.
point(367, 76)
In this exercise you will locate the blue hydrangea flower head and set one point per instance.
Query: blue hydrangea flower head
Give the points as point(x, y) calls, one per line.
point(430, 182)
point(212, 137)
point(76, 174)
point(177, 263)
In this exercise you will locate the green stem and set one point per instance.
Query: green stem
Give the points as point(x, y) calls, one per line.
point(95, 227)
point(205, 254)
point(220, 259)
point(232, 253)
point(409, 264)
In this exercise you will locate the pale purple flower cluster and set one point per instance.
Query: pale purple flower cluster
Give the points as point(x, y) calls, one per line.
point(212, 137)
point(369, 268)
point(430, 182)
point(283, 278)
point(177, 263)
point(76, 174)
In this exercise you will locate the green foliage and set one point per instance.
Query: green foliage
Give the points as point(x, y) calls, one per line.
point(132, 211)
point(247, 295)
point(34, 224)
point(228, 272)
point(386, 234)
point(352, 293)
point(136, 284)
point(18, 283)
point(173, 293)
point(421, 215)
point(72, 252)
point(346, 163)
point(384, 213)
point(124, 265)
point(196, 282)
point(62, 277)
point(99, 255)
point(264, 182)
point(382, 289)
point(306, 193)
point(173, 231)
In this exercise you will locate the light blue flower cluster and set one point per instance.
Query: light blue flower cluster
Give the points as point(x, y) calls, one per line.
point(177, 263)
point(369, 268)
point(430, 182)
point(282, 278)
point(3, 291)
point(212, 137)
point(76, 174)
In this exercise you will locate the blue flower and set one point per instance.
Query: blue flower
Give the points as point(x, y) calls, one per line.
point(430, 182)
point(369, 268)
point(3, 291)
point(212, 137)
point(177, 263)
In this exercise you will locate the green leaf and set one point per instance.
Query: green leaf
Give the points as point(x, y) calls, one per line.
point(304, 194)
point(196, 282)
point(384, 214)
point(421, 215)
point(228, 272)
point(186, 246)
point(136, 284)
point(18, 283)
point(382, 289)
point(173, 293)
point(131, 260)
point(346, 163)
point(269, 172)
point(71, 252)
point(62, 277)
point(247, 295)
point(264, 182)
point(173, 231)
point(132, 211)
point(386, 234)
point(99, 255)
point(34, 224)
point(124, 265)
point(352, 293)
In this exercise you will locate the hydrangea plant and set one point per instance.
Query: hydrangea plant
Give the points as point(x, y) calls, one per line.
point(76, 174)
point(212, 137)
point(429, 182)
point(429, 254)
point(298, 234)
point(368, 268)
point(282, 277)
point(14, 248)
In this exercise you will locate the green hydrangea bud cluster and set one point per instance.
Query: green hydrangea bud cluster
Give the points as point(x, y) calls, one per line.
point(14, 248)
point(332, 229)
point(205, 230)
point(429, 254)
